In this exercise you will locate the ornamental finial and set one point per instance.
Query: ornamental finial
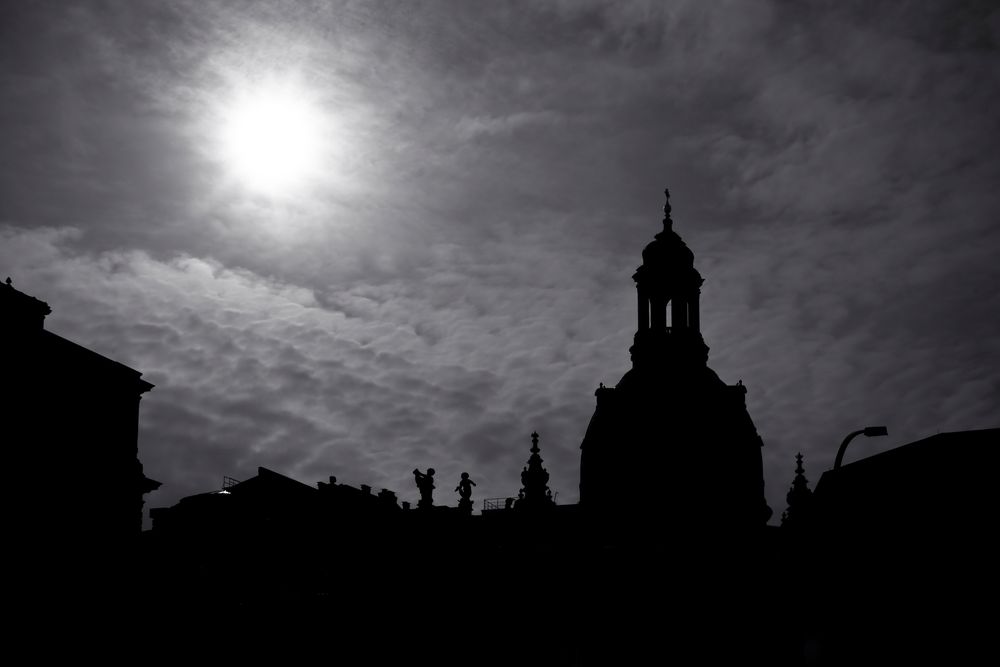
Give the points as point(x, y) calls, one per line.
point(667, 222)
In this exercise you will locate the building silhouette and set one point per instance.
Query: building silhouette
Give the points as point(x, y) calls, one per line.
point(70, 429)
point(74, 484)
point(899, 550)
point(937, 487)
point(667, 556)
point(671, 439)
point(572, 582)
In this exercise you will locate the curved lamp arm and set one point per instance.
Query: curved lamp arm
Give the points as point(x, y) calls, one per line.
point(868, 431)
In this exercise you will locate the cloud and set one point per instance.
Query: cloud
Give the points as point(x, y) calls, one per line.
point(461, 275)
point(251, 372)
point(470, 128)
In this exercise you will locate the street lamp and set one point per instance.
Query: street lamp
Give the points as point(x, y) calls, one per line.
point(868, 431)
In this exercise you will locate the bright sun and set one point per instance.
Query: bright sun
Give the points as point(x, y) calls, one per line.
point(273, 138)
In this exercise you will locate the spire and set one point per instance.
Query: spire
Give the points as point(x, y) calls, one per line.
point(667, 222)
point(799, 497)
point(668, 290)
point(535, 491)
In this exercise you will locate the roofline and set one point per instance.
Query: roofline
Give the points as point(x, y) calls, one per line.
point(890, 452)
point(143, 385)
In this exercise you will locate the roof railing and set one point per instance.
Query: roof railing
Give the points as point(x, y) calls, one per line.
point(496, 503)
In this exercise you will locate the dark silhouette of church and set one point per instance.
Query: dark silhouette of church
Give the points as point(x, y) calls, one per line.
point(671, 415)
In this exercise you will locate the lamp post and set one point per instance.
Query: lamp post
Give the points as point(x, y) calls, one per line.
point(868, 431)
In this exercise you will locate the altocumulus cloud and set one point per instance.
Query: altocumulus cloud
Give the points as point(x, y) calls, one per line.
point(251, 371)
point(462, 278)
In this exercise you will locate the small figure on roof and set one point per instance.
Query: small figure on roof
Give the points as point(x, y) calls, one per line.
point(425, 484)
point(464, 489)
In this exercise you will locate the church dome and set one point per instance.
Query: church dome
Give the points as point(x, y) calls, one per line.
point(667, 251)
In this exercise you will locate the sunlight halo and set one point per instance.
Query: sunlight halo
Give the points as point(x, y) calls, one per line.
point(273, 138)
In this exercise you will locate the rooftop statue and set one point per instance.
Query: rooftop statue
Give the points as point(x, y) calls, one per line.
point(425, 483)
point(464, 489)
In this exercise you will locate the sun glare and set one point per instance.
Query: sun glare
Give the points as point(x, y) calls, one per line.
point(273, 138)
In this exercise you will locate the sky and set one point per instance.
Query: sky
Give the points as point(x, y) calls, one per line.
point(452, 270)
